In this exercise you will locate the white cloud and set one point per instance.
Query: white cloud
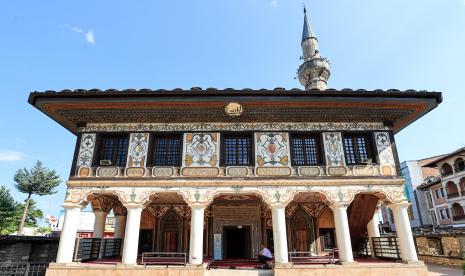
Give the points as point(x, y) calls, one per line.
point(90, 37)
point(10, 155)
point(274, 3)
point(76, 29)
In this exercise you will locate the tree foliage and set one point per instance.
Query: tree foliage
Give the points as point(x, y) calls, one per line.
point(10, 223)
point(7, 208)
point(36, 181)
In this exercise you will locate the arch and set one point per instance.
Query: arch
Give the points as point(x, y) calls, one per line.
point(459, 165)
point(457, 212)
point(302, 231)
point(452, 190)
point(171, 230)
point(446, 169)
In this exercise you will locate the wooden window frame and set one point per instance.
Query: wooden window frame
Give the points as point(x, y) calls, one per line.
point(370, 147)
point(250, 150)
point(100, 149)
point(318, 146)
point(152, 148)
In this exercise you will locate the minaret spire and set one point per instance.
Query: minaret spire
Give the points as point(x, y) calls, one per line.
point(315, 70)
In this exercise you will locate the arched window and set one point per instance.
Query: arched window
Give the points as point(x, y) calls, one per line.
point(452, 190)
point(446, 170)
point(459, 165)
point(457, 212)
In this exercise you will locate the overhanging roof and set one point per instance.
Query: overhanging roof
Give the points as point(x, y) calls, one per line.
point(71, 108)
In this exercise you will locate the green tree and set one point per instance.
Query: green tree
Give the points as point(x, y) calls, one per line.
point(32, 217)
point(7, 208)
point(36, 181)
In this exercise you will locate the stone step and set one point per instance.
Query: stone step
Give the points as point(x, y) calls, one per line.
point(239, 272)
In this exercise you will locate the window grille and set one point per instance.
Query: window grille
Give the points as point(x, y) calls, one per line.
point(237, 150)
point(305, 151)
point(167, 151)
point(115, 148)
point(357, 149)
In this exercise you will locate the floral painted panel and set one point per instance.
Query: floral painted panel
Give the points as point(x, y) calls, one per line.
point(86, 150)
point(383, 144)
point(201, 150)
point(272, 149)
point(138, 148)
point(334, 151)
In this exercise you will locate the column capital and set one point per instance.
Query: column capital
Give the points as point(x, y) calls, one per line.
point(339, 205)
point(70, 205)
point(134, 206)
point(402, 205)
point(198, 206)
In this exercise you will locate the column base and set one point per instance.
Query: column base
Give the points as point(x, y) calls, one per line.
point(353, 263)
point(412, 262)
point(283, 265)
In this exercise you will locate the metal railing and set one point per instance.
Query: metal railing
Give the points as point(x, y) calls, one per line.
point(111, 248)
point(307, 257)
point(386, 247)
point(87, 249)
point(363, 247)
point(163, 258)
point(23, 269)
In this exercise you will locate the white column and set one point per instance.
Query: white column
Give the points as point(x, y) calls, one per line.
point(404, 232)
point(196, 237)
point(68, 233)
point(341, 222)
point(279, 234)
point(99, 224)
point(131, 235)
point(120, 224)
point(373, 232)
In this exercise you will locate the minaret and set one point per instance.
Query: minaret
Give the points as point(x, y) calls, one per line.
point(315, 70)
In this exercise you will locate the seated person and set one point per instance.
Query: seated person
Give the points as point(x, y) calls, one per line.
point(264, 256)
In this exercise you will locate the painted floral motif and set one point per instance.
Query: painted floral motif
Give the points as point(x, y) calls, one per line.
point(333, 148)
point(138, 147)
point(383, 144)
point(86, 150)
point(201, 150)
point(272, 149)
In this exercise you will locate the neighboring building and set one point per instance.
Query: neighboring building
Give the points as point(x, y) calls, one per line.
point(414, 174)
point(214, 173)
point(445, 194)
point(85, 224)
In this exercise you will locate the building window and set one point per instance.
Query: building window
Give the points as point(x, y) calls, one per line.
point(357, 149)
point(305, 150)
point(167, 150)
point(444, 214)
point(114, 148)
point(237, 150)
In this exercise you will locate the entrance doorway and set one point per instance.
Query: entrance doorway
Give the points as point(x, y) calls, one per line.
point(237, 243)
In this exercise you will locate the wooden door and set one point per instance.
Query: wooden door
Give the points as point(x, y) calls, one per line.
point(170, 241)
point(301, 240)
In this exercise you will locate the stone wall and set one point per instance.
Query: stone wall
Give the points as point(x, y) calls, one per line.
point(28, 249)
point(443, 249)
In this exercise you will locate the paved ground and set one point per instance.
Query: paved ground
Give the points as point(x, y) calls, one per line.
point(442, 270)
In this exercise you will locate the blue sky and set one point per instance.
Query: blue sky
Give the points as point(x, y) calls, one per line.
point(416, 44)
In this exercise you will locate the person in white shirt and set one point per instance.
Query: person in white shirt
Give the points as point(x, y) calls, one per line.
point(265, 256)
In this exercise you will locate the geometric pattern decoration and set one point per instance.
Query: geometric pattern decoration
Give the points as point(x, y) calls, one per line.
point(201, 150)
point(383, 144)
point(385, 154)
point(138, 148)
point(272, 149)
point(333, 148)
point(86, 150)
